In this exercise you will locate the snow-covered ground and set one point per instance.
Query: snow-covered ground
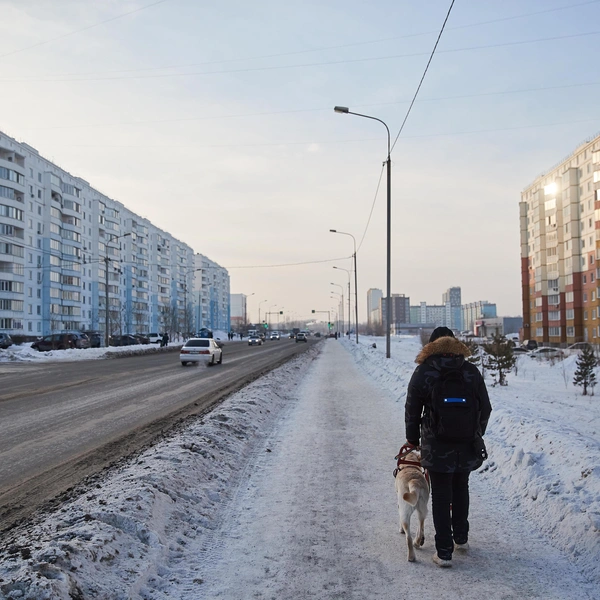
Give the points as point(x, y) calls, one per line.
point(285, 491)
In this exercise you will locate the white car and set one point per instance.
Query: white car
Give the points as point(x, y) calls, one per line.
point(201, 350)
point(155, 338)
point(274, 335)
point(546, 353)
point(254, 340)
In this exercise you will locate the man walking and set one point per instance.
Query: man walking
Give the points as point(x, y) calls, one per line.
point(447, 411)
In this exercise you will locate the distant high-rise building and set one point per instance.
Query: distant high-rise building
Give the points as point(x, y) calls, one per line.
point(451, 299)
point(400, 309)
point(374, 295)
point(475, 311)
point(239, 314)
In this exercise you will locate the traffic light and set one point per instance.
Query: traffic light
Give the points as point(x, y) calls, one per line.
point(329, 325)
point(265, 325)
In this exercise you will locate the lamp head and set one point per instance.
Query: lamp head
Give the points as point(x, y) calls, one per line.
point(341, 109)
point(333, 231)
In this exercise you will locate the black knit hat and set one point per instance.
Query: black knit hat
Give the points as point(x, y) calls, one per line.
point(439, 332)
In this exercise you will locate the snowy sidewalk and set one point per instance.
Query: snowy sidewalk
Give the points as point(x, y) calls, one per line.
point(317, 517)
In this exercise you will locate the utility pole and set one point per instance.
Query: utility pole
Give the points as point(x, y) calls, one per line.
point(106, 259)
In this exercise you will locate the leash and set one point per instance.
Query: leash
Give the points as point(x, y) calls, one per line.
point(402, 462)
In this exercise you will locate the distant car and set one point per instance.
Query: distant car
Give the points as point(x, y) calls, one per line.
point(520, 351)
point(95, 338)
point(5, 341)
point(530, 344)
point(262, 335)
point(123, 340)
point(254, 340)
point(61, 341)
point(301, 337)
point(275, 335)
point(155, 338)
point(205, 333)
point(545, 353)
point(577, 348)
point(201, 350)
point(141, 338)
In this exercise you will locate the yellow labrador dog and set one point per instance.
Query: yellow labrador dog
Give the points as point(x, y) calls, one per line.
point(413, 495)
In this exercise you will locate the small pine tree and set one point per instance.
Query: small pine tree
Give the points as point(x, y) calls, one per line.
point(475, 351)
point(585, 375)
point(499, 358)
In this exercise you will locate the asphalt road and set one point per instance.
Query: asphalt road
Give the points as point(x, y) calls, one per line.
point(63, 422)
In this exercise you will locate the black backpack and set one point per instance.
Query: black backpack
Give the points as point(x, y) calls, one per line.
point(454, 408)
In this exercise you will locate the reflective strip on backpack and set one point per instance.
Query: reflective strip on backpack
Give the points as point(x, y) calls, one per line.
point(455, 400)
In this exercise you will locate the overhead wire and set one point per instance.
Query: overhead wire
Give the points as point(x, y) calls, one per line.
point(87, 28)
point(339, 46)
point(372, 207)
point(424, 74)
point(303, 65)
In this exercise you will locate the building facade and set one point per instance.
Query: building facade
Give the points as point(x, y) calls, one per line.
point(239, 311)
point(73, 259)
point(451, 299)
point(559, 218)
point(211, 295)
point(400, 309)
point(374, 296)
point(476, 311)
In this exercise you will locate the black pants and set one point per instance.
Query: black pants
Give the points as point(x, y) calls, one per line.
point(450, 504)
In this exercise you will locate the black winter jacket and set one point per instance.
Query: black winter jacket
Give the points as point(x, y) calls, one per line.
point(437, 357)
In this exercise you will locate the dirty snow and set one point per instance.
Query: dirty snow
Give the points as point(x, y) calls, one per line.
point(285, 491)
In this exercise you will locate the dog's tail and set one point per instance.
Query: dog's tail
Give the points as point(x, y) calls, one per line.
point(411, 497)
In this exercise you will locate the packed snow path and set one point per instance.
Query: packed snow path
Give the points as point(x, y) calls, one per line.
point(316, 517)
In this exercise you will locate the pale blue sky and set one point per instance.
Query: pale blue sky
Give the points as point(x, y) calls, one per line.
point(216, 122)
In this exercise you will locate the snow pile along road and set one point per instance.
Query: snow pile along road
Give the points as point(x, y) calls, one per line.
point(542, 438)
point(115, 540)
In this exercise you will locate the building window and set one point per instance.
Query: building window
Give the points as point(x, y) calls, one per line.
point(539, 332)
point(570, 313)
point(554, 331)
point(570, 331)
point(585, 315)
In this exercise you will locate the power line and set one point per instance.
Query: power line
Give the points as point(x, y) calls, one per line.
point(70, 33)
point(304, 65)
point(337, 47)
point(305, 110)
point(423, 76)
point(372, 207)
point(309, 262)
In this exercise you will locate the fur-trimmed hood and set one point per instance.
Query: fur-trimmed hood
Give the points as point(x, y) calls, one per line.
point(443, 345)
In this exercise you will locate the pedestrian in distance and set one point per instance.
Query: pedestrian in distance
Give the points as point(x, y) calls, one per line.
point(165, 339)
point(446, 414)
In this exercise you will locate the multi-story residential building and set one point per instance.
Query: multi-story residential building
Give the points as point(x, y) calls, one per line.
point(211, 295)
point(239, 312)
point(400, 309)
point(374, 296)
point(560, 214)
point(451, 299)
point(476, 311)
point(67, 252)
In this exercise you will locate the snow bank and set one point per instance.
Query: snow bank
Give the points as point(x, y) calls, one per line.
point(542, 438)
point(113, 541)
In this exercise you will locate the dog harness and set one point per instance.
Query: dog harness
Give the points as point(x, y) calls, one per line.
point(403, 463)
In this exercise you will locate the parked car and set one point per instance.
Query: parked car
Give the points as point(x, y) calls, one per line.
point(545, 353)
point(205, 333)
point(123, 340)
point(5, 341)
point(95, 338)
point(577, 348)
point(254, 340)
point(205, 350)
point(301, 337)
point(155, 338)
point(142, 338)
point(519, 350)
point(61, 341)
point(530, 344)
point(275, 335)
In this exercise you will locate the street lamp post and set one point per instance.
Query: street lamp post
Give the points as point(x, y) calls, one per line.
point(355, 279)
point(388, 304)
point(349, 312)
point(341, 304)
point(259, 310)
point(106, 309)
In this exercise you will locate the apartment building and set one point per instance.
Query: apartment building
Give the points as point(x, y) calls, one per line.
point(212, 295)
point(559, 217)
point(474, 312)
point(73, 259)
point(374, 296)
